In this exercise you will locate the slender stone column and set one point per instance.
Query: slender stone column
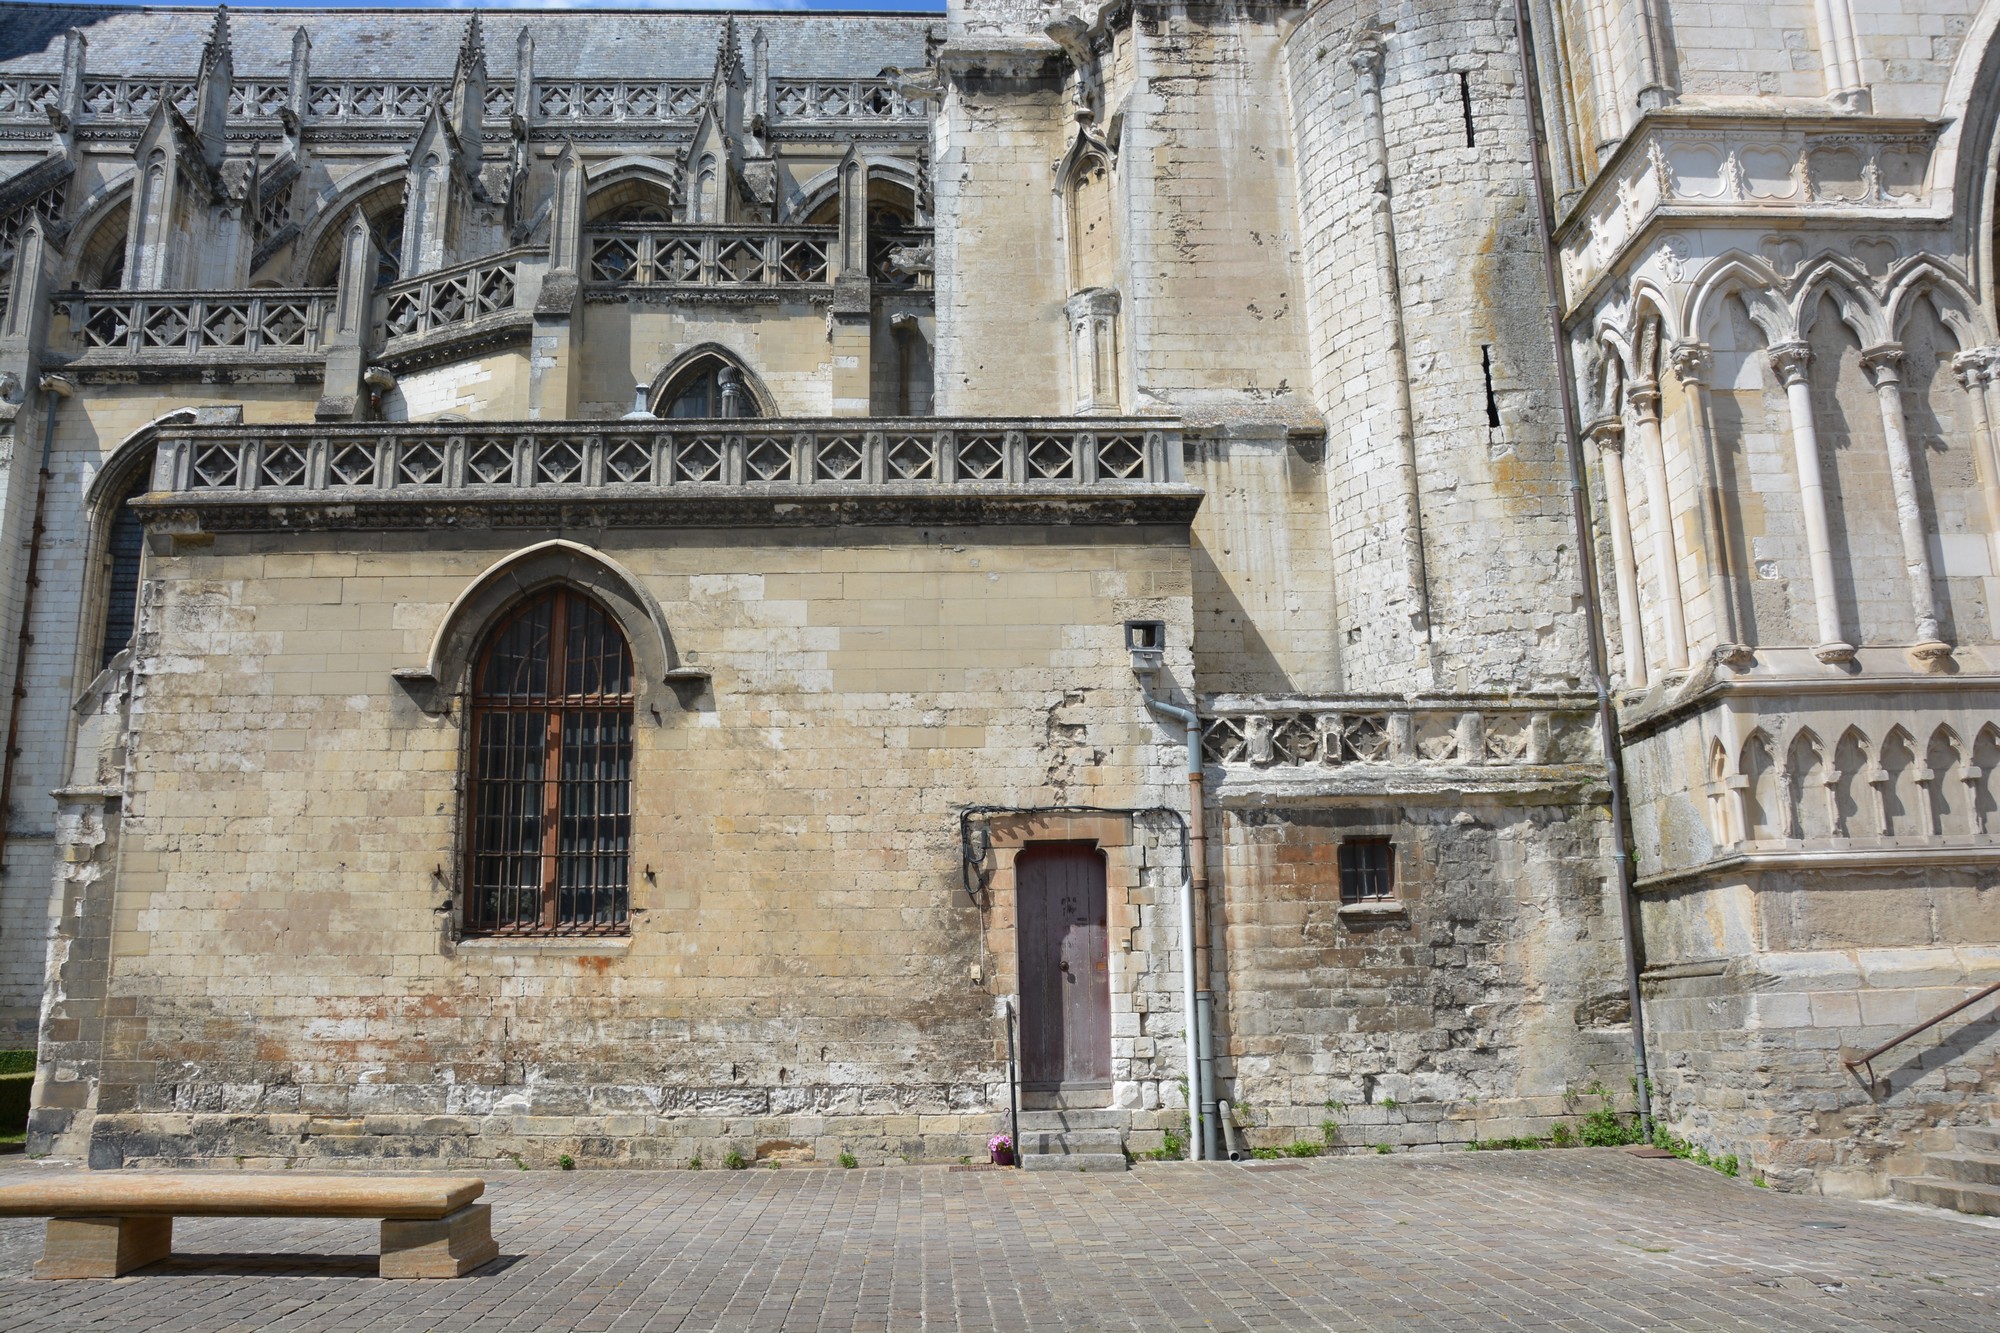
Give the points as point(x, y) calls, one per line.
point(1883, 366)
point(1645, 401)
point(1690, 363)
point(1367, 62)
point(1975, 376)
point(1791, 360)
point(1609, 437)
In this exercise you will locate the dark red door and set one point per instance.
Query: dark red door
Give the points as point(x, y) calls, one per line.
point(1065, 968)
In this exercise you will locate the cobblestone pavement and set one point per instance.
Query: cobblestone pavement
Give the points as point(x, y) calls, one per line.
point(1583, 1240)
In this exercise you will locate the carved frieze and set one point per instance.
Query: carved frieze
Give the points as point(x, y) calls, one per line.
point(1733, 167)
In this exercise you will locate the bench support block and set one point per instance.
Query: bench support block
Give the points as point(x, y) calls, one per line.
point(103, 1246)
point(451, 1246)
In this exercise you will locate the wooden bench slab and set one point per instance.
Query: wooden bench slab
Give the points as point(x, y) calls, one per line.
point(103, 1224)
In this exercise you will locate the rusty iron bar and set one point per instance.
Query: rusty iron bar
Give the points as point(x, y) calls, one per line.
point(1867, 1058)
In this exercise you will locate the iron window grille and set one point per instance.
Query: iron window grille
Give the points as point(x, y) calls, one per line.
point(1367, 870)
point(551, 790)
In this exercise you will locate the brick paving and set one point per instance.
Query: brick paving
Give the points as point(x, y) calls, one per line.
point(1583, 1240)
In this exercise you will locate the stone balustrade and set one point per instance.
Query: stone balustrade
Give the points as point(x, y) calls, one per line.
point(644, 101)
point(796, 469)
point(171, 327)
point(844, 99)
point(449, 298)
point(663, 255)
point(1310, 735)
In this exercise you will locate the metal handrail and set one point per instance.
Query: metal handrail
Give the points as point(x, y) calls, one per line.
point(1866, 1059)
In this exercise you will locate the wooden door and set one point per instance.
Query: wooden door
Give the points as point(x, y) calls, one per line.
point(1065, 968)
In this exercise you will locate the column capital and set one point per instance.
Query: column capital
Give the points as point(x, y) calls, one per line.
point(1367, 56)
point(1883, 364)
point(1976, 366)
point(1690, 362)
point(1790, 360)
point(1644, 398)
point(1608, 434)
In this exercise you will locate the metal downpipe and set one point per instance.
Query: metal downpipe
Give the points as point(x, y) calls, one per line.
point(1607, 720)
point(1204, 1141)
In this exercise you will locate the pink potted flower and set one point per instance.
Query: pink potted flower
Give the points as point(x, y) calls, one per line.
point(1001, 1149)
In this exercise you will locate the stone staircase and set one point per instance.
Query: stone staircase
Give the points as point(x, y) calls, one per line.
point(1966, 1180)
point(1073, 1141)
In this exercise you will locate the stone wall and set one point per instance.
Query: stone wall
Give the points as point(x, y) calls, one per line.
point(804, 972)
point(1422, 241)
point(1483, 1003)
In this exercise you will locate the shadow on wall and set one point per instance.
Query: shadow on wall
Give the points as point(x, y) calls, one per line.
point(1955, 1047)
point(1230, 655)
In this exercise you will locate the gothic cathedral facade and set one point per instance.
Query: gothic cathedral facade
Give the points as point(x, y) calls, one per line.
point(652, 585)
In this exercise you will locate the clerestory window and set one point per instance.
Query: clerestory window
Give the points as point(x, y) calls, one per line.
point(551, 794)
point(125, 546)
point(711, 387)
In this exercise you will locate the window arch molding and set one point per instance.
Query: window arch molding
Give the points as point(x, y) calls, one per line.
point(376, 190)
point(128, 471)
point(760, 394)
point(99, 231)
point(447, 672)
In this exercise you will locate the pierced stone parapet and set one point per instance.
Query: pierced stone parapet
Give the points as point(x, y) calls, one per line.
point(1363, 733)
point(844, 99)
point(174, 326)
point(465, 298)
point(642, 100)
point(708, 256)
point(808, 470)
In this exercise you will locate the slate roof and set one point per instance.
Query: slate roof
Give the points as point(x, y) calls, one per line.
point(423, 43)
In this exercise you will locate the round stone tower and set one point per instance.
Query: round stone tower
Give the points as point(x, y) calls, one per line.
point(1431, 356)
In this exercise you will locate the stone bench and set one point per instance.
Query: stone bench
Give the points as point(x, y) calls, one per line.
point(103, 1224)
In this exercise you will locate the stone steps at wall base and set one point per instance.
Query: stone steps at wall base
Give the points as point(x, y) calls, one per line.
point(1957, 1195)
point(1063, 1121)
point(1083, 1161)
point(1979, 1140)
point(1970, 1168)
point(1071, 1142)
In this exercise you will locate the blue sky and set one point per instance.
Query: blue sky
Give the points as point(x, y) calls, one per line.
point(832, 6)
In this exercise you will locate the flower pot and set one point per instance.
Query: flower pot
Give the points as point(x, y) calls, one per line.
point(1003, 1157)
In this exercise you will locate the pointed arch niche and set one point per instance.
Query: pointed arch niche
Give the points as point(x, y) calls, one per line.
point(1092, 255)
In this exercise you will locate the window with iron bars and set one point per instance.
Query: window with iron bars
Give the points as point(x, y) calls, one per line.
point(550, 843)
point(1367, 870)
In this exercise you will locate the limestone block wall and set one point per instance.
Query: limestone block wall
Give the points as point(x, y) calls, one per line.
point(1481, 1005)
point(1263, 582)
point(784, 344)
point(1759, 984)
point(1209, 222)
point(1457, 241)
point(805, 973)
point(91, 430)
point(1817, 875)
point(1000, 265)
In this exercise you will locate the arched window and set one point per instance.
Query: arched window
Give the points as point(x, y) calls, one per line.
point(551, 798)
point(709, 387)
point(125, 547)
point(387, 233)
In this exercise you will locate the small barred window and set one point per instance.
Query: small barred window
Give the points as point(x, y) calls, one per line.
point(1367, 870)
point(551, 792)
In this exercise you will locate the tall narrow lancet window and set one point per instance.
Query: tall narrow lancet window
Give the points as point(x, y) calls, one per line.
point(125, 548)
point(551, 799)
